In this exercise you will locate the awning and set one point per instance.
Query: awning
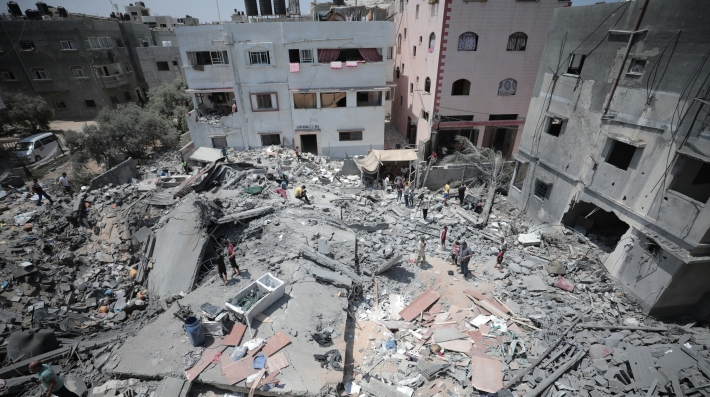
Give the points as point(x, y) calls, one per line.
point(208, 90)
point(206, 155)
point(371, 162)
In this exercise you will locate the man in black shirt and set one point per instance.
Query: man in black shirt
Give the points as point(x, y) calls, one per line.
point(462, 192)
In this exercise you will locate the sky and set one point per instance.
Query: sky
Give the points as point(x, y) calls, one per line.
point(205, 10)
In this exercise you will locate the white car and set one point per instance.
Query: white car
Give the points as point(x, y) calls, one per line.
point(34, 148)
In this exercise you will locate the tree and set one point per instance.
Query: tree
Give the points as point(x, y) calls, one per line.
point(492, 167)
point(127, 131)
point(24, 114)
point(168, 100)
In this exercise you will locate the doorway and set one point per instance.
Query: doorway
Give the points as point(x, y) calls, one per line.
point(411, 131)
point(309, 144)
point(500, 139)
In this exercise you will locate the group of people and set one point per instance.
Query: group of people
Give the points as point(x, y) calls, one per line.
point(461, 253)
point(41, 193)
point(224, 256)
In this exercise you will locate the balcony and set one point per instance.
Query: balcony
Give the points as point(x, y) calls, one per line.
point(114, 81)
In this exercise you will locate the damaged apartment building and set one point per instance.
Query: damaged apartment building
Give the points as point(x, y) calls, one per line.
point(617, 144)
point(319, 86)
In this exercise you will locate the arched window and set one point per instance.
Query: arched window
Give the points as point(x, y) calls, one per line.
point(517, 41)
point(396, 72)
point(427, 85)
point(461, 87)
point(507, 87)
point(399, 40)
point(432, 42)
point(468, 41)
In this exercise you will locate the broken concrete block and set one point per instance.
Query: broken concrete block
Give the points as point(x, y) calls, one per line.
point(599, 351)
point(529, 239)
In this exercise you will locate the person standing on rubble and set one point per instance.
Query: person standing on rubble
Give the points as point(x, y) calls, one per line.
point(298, 155)
point(443, 238)
point(407, 189)
point(447, 188)
point(186, 168)
point(386, 183)
point(53, 383)
point(501, 251)
point(462, 191)
point(300, 193)
point(400, 188)
point(411, 195)
point(66, 185)
point(221, 267)
point(455, 252)
point(40, 192)
point(232, 257)
point(424, 204)
point(464, 257)
point(421, 248)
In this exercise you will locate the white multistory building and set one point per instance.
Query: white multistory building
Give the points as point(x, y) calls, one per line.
point(320, 86)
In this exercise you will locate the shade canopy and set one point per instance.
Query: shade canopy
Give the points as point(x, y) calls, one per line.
point(371, 163)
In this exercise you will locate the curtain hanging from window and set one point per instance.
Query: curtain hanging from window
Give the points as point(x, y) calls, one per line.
point(370, 54)
point(327, 55)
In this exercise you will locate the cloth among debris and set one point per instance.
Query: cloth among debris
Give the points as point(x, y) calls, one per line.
point(323, 339)
point(331, 357)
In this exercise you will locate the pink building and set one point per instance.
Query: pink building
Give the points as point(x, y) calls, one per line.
point(467, 68)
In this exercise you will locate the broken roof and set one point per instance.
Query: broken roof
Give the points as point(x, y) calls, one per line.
point(371, 162)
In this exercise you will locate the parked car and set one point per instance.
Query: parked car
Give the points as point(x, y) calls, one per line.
point(34, 148)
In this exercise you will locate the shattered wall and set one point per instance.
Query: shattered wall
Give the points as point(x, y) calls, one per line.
point(118, 175)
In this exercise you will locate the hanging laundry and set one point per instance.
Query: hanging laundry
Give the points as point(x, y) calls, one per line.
point(351, 64)
point(336, 65)
point(294, 67)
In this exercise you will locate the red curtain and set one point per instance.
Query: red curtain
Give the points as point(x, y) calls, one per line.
point(328, 55)
point(370, 55)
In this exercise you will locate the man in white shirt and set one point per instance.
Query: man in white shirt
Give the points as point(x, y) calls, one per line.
point(66, 185)
point(424, 204)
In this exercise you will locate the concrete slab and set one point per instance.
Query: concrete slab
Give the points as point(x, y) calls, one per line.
point(172, 387)
point(178, 249)
point(534, 283)
point(529, 239)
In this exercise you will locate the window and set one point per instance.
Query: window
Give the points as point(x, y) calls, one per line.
point(8, 75)
point(201, 58)
point(67, 45)
point(114, 100)
point(405, 33)
point(98, 42)
point(40, 74)
point(26, 45)
point(304, 101)
point(692, 179)
point(270, 139)
point(416, 12)
point(175, 63)
point(521, 171)
point(396, 73)
point(542, 189)
point(263, 101)
point(432, 42)
point(119, 43)
point(411, 88)
point(576, 61)
point(333, 100)
point(219, 57)
point(427, 85)
point(294, 56)
point(350, 135)
point(425, 115)
point(390, 52)
point(554, 126)
point(105, 42)
point(307, 56)
point(517, 41)
point(468, 41)
point(369, 98)
point(162, 66)
point(219, 142)
point(507, 87)
point(60, 105)
point(414, 51)
point(78, 72)
point(620, 155)
point(126, 67)
point(401, 5)
point(461, 87)
point(389, 94)
point(401, 99)
point(420, 39)
point(399, 40)
point(259, 58)
point(503, 117)
point(636, 67)
point(90, 103)
point(127, 96)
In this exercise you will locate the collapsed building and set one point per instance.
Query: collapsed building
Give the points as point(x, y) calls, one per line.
point(616, 146)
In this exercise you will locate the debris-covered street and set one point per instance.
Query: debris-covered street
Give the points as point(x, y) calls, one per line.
point(129, 289)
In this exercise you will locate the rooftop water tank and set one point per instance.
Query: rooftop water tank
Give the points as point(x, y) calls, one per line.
point(62, 12)
point(42, 8)
point(32, 14)
point(251, 7)
point(14, 9)
point(280, 7)
point(265, 7)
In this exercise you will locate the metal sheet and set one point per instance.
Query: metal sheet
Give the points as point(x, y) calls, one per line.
point(419, 305)
point(486, 374)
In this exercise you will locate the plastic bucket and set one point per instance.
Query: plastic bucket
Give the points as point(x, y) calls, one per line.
point(193, 327)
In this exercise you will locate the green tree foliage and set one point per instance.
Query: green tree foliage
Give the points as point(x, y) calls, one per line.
point(24, 114)
point(127, 131)
point(168, 100)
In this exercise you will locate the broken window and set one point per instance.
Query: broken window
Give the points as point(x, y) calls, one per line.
point(521, 171)
point(461, 87)
point(542, 189)
point(162, 66)
point(620, 155)
point(304, 101)
point(350, 135)
point(263, 101)
point(270, 139)
point(468, 41)
point(333, 100)
point(636, 67)
point(90, 103)
point(201, 58)
point(692, 179)
point(517, 41)
point(369, 98)
point(576, 61)
point(651, 247)
point(554, 126)
point(219, 142)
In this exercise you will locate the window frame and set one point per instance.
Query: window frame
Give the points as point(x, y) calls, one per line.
point(475, 42)
point(219, 57)
point(624, 163)
point(513, 40)
point(86, 103)
point(315, 101)
point(255, 101)
point(350, 135)
point(9, 73)
point(78, 68)
point(465, 91)
point(571, 69)
point(259, 55)
point(166, 66)
point(271, 136)
point(549, 123)
point(27, 45)
point(336, 102)
point(37, 72)
point(69, 43)
point(58, 107)
point(306, 59)
point(548, 188)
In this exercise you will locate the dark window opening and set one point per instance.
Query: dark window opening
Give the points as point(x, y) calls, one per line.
point(517, 42)
point(369, 98)
point(304, 101)
point(493, 117)
point(90, 103)
point(350, 54)
point(637, 66)
point(425, 115)
point(604, 228)
point(427, 85)
point(162, 66)
point(294, 56)
point(457, 118)
point(396, 73)
point(576, 61)
point(414, 51)
point(651, 247)
point(542, 189)
point(127, 96)
point(461, 87)
point(114, 100)
point(270, 139)
point(202, 58)
point(27, 45)
point(175, 63)
point(60, 105)
point(521, 171)
point(554, 126)
point(692, 179)
point(219, 142)
point(350, 135)
point(333, 100)
point(620, 155)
